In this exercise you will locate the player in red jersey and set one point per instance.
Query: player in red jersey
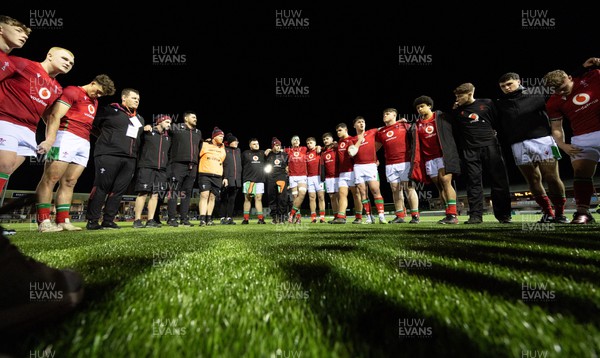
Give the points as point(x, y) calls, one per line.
point(365, 169)
point(435, 154)
point(17, 271)
point(70, 122)
point(394, 139)
point(297, 176)
point(13, 34)
point(24, 98)
point(330, 166)
point(578, 99)
point(346, 179)
point(314, 182)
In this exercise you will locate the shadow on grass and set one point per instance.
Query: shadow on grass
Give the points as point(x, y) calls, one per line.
point(515, 258)
point(115, 272)
point(553, 301)
point(368, 323)
point(335, 247)
point(584, 310)
point(562, 236)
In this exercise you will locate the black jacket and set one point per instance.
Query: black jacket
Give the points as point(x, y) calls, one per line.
point(185, 144)
point(522, 116)
point(232, 167)
point(155, 150)
point(113, 122)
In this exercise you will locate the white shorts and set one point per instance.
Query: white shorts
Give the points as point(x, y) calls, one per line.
point(19, 139)
point(365, 173)
point(332, 185)
point(69, 148)
point(253, 188)
point(314, 184)
point(297, 179)
point(433, 166)
point(396, 173)
point(346, 180)
point(589, 144)
point(535, 150)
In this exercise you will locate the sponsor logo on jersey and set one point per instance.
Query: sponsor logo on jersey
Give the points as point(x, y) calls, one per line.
point(44, 93)
point(581, 99)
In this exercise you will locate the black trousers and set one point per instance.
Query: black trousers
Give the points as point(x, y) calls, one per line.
point(185, 176)
point(277, 190)
point(490, 160)
point(112, 177)
point(227, 201)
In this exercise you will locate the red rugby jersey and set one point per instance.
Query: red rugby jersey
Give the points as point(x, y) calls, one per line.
point(27, 93)
point(81, 113)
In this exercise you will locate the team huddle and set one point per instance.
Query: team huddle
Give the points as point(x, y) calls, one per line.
point(167, 157)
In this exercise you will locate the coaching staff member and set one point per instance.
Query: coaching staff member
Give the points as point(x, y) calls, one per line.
point(115, 156)
point(183, 167)
point(473, 120)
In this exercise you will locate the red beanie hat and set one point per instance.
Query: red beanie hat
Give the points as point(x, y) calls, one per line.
point(217, 132)
point(163, 118)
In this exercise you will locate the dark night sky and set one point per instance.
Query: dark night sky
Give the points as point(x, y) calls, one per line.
point(347, 56)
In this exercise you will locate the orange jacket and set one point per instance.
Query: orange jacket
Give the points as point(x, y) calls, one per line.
point(211, 159)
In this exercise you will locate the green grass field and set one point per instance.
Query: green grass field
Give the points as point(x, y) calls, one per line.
point(318, 290)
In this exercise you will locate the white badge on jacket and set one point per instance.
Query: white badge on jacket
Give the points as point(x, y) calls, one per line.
point(132, 129)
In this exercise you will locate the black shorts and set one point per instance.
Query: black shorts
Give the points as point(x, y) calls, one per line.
point(211, 183)
point(151, 180)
